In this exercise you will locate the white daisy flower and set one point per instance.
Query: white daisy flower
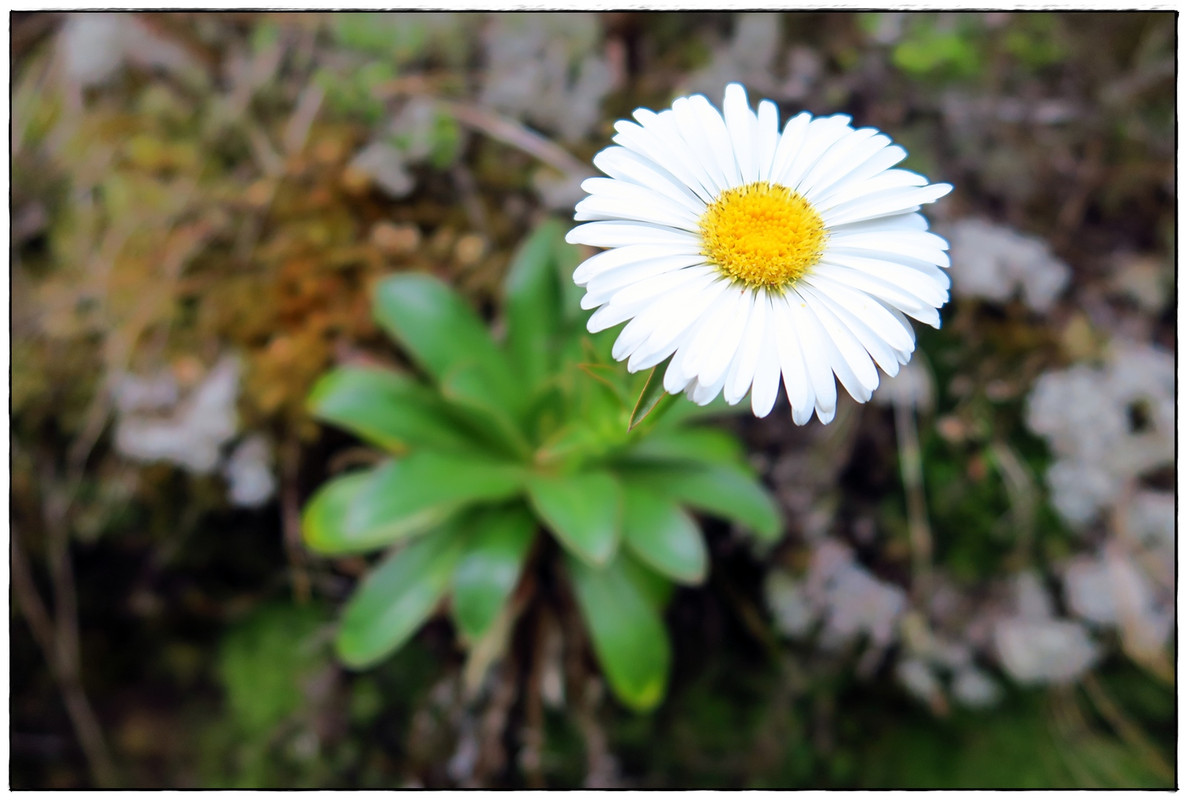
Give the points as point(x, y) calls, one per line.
point(746, 254)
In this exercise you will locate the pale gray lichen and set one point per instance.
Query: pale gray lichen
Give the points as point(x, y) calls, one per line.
point(997, 263)
point(189, 434)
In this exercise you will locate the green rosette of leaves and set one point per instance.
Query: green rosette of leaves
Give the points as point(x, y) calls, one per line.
point(496, 444)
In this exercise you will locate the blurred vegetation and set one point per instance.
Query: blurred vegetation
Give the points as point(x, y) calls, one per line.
point(189, 185)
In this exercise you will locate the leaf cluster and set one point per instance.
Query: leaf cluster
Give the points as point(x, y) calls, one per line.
point(499, 440)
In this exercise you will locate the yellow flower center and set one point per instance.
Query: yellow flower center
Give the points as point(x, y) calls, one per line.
point(763, 235)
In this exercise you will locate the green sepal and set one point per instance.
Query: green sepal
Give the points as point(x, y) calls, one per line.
point(653, 400)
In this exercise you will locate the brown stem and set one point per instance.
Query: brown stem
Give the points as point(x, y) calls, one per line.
point(584, 691)
point(512, 133)
point(49, 638)
point(289, 453)
point(533, 732)
point(492, 754)
point(467, 190)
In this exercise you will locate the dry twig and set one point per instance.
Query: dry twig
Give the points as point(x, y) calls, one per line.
point(919, 528)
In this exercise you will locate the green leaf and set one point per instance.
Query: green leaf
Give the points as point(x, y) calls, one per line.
point(533, 303)
point(405, 497)
point(323, 522)
point(627, 632)
point(583, 510)
point(395, 600)
point(652, 585)
point(424, 488)
point(490, 568)
point(467, 390)
point(442, 333)
point(663, 535)
point(385, 408)
point(688, 446)
point(729, 492)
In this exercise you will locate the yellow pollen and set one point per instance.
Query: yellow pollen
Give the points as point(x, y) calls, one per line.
point(763, 235)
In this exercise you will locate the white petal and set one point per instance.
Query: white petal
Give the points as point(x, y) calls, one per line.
point(627, 165)
point(851, 362)
point(606, 233)
point(621, 256)
point(745, 360)
point(728, 336)
point(882, 290)
point(718, 137)
point(686, 123)
point(922, 245)
point(825, 413)
point(789, 340)
point(891, 223)
point(848, 149)
point(816, 352)
point(820, 136)
point(661, 144)
point(880, 319)
point(607, 285)
point(768, 138)
point(766, 378)
point(905, 325)
point(929, 285)
point(918, 258)
point(628, 339)
point(688, 359)
point(741, 124)
point(674, 380)
point(665, 321)
point(882, 185)
point(879, 348)
point(924, 266)
point(703, 393)
point(892, 201)
point(874, 164)
point(613, 199)
point(641, 294)
point(789, 144)
point(671, 319)
point(648, 289)
point(594, 208)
